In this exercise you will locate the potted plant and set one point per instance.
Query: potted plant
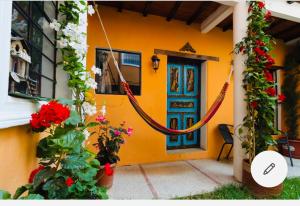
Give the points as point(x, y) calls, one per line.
point(290, 88)
point(258, 124)
point(109, 142)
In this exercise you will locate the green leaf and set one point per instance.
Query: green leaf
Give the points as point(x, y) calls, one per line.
point(33, 197)
point(74, 119)
point(74, 162)
point(20, 191)
point(71, 140)
point(56, 188)
point(42, 176)
point(4, 195)
point(65, 101)
point(92, 124)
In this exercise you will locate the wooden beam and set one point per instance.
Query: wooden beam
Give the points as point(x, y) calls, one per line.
point(196, 14)
point(186, 55)
point(288, 30)
point(173, 11)
point(120, 7)
point(292, 36)
point(147, 8)
point(284, 10)
point(215, 18)
point(227, 26)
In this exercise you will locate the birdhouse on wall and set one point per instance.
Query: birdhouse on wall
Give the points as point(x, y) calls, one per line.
point(19, 66)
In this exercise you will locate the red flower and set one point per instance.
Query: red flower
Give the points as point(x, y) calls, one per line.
point(51, 113)
point(242, 48)
point(254, 104)
point(268, 15)
point(271, 91)
point(250, 8)
point(261, 4)
point(69, 181)
point(270, 61)
point(34, 172)
point(260, 43)
point(259, 51)
point(281, 97)
point(107, 169)
point(268, 76)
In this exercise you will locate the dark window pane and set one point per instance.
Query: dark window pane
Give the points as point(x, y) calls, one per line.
point(24, 5)
point(30, 21)
point(37, 15)
point(36, 59)
point(19, 24)
point(130, 66)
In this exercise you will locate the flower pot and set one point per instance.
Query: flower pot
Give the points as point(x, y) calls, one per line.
point(255, 189)
point(294, 147)
point(103, 179)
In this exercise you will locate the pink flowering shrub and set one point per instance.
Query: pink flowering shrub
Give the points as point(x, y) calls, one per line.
point(110, 140)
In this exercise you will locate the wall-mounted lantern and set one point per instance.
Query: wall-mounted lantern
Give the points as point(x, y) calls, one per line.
point(155, 62)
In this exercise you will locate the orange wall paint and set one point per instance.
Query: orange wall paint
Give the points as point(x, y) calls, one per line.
point(17, 156)
point(130, 31)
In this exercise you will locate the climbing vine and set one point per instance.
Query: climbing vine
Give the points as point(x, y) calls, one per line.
point(67, 170)
point(258, 82)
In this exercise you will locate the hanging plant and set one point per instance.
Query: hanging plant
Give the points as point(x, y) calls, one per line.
point(258, 125)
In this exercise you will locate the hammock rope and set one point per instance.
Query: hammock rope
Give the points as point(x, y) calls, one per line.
point(149, 120)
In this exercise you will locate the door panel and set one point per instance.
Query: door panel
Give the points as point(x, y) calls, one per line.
point(183, 103)
point(174, 79)
point(174, 122)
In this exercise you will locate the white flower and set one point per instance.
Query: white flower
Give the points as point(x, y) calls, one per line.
point(55, 25)
point(103, 110)
point(86, 134)
point(91, 83)
point(62, 43)
point(96, 70)
point(83, 76)
point(91, 10)
point(89, 109)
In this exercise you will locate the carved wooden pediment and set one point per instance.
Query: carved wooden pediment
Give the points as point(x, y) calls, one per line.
point(187, 48)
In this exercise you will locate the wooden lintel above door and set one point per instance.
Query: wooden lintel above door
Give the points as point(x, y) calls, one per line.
point(186, 55)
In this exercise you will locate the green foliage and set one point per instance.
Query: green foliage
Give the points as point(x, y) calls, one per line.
point(67, 170)
point(109, 142)
point(4, 195)
point(291, 191)
point(258, 124)
point(290, 89)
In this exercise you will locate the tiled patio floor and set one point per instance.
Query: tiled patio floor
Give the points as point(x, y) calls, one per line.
point(175, 179)
point(170, 180)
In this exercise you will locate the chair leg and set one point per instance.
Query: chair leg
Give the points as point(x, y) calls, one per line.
point(290, 154)
point(221, 152)
point(227, 157)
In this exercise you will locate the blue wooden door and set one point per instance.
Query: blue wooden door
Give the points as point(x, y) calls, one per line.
point(183, 103)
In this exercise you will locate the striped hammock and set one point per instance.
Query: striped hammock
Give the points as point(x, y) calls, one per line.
point(149, 120)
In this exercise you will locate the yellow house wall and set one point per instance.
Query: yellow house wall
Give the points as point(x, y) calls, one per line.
point(130, 31)
point(17, 156)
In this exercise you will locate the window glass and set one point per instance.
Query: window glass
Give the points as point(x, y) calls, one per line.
point(130, 66)
point(34, 75)
point(19, 24)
